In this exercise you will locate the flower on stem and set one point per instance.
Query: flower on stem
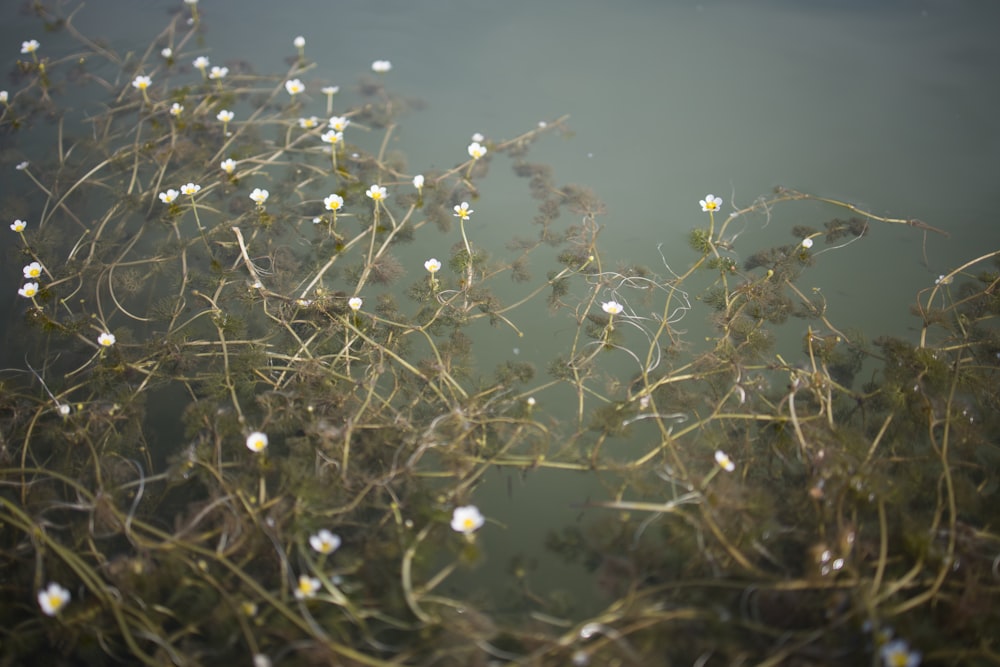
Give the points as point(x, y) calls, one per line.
point(478, 137)
point(418, 182)
point(201, 62)
point(324, 541)
point(612, 307)
point(218, 73)
point(332, 137)
point(807, 243)
point(259, 196)
point(463, 211)
point(294, 87)
point(53, 599)
point(228, 165)
point(167, 52)
point(339, 123)
point(724, 461)
point(225, 115)
point(300, 44)
point(476, 150)
point(189, 189)
point(4, 96)
point(309, 123)
point(354, 303)
point(29, 290)
point(897, 653)
point(307, 588)
point(467, 519)
point(333, 203)
point(377, 193)
point(330, 91)
point(432, 265)
point(710, 203)
point(257, 442)
point(33, 270)
point(169, 196)
point(142, 83)
point(21, 166)
point(18, 226)
point(106, 339)
point(29, 46)
point(176, 109)
point(381, 66)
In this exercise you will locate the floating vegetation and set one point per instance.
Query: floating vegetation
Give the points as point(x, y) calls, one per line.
point(237, 426)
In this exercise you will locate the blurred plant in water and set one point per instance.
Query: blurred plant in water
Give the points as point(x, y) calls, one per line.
point(757, 509)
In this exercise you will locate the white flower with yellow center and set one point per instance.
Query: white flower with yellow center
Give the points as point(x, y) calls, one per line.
point(225, 115)
point(18, 226)
point(53, 599)
point(141, 82)
point(333, 202)
point(463, 211)
point(294, 86)
point(724, 461)
point(4, 96)
point(29, 46)
point(354, 303)
point(377, 193)
point(218, 73)
point(33, 270)
point(897, 653)
point(228, 165)
point(710, 203)
point(307, 588)
point(432, 265)
point(476, 150)
point(169, 196)
point(257, 442)
point(29, 290)
point(106, 339)
point(330, 90)
point(190, 189)
point(308, 123)
point(807, 243)
point(299, 42)
point(467, 519)
point(201, 62)
point(612, 307)
point(259, 196)
point(324, 541)
point(332, 137)
point(176, 109)
point(167, 52)
point(339, 123)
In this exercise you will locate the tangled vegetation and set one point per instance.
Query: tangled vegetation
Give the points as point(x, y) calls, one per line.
point(236, 429)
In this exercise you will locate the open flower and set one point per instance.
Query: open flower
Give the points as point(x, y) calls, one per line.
point(141, 82)
point(476, 150)
point(29, 290)
point(324, 541)
point(228, 165)
point(190, 189)
point(308, 123)
point(53, 599)
point(307, 588)
point(339, 123)
point(354, 303)
point(169, 196)
point(257, 441)
point(612, 307)
point(897, 653)
point(724, 461)
point(33, 270)
point(332, 137)
point(225, 115)
point(710, 203)
point(463, 211)
point(330, 90)
point(201, 62)
point(259, 196)
point(106, 339)
point(432, 265)
point(333, 202)
point(294, 86)
point(381, 66)
point(18, 226)
point(218, 73)
point(467, 519)
point(418, 182)
point(176, 109)
point(29, 46)
point(377, 193)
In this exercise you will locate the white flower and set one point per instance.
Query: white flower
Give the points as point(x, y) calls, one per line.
point(21, 166)
point(201, 62)
point(476, 150)
point(807, 243)
point(463, 211)
point(432, 265)
point(106, 339)
point(141, 82)
point(467, 519)
point(333, 202)
point(381, 66)
point(261, 660)
point(228, 165)
point(324, 541)
point(376, 192)
point(190, 189)
point(940, 280)
point(418, 181)
point(65, 409)
point(257, 441)
point(29, 290)
point(18, 225)
point(225, 115)
point(32, 270)
point(710, 203)
point(190, 2)
point(218, 73)
point(478, 137)
point(167, 52)
point(53, 599)
point(612, 307)
point(260, 196)
point(299, 42)
point(176, 109)
point(330, 90)
point(307, 587)
point(354, 303)
point(339, 123)
point(4, 96)
point(30, 46)
point(332, 137)
point(724, 461)
point(897, 653)
point(294, 87)
point(531, 401)
point(308, 123)
point(169, 196)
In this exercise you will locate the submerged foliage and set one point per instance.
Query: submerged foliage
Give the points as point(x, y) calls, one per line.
point(236, 427)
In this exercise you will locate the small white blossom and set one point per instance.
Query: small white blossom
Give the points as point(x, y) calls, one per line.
point(330, 90)
point(710, 203)
point(167, 52)
point(176, 109)
point(354, 303)
point(418, 181)
point(807, 243)
point(324, 541)
point(225, 115)
point(333, 202)
point(29, 290)
point(381, 66)
point(190, 189)
point(53, 599)
point(476, 150)
point(339, 123)
point(29, 46)
point(299, 42)
point(294, 87)
point(376, 192)
point(612, 307)
point(141, 82)
point(228, 165)
point(169, 196)
point(18, 226)
point(201, 62)
point(432, 265)
point(463, 211)
point(257, 441)
point(724, 461)
point(307, 588)
point(218, 72)
point(259, 196)
point(467, 519)
point(33, 270)
point(308, 123)
point(106, 339)
point(478, 137)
